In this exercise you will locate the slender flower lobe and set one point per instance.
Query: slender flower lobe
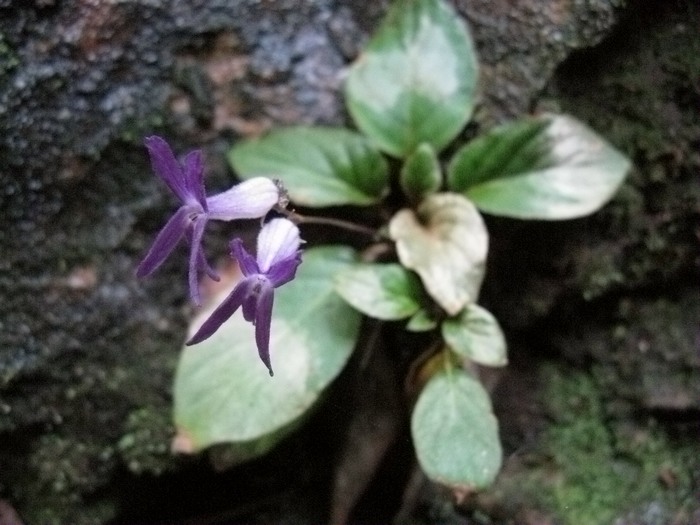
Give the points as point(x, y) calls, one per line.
point(277, 258)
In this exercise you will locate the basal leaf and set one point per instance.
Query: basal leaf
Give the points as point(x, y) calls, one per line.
point(318, 166)
point(421, 174)
point(223, 393)
point(551, 167)
point(445, 242)
point(382, 291)
point(415, 81)
point(476, 335)
point(455, 433)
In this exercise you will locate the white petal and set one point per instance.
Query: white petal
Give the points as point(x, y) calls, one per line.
point(279, 239)
point(250, 199)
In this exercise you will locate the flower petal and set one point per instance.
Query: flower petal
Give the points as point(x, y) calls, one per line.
point(165, 242)
point(278, 240)
point(194, 177)
point(250, 303)
point(284, 271)
point(222, 313)
point(198, 226)
point(263, 320)
point(204, 266)
point(166, 166)
point(245, 260)
point(250, 199)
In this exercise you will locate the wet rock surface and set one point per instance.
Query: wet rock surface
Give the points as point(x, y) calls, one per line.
point(521, 43)
point(653, 363)
point(87, 353)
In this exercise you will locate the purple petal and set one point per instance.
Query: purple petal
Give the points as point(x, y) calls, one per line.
point(202, 263)
point(195, 250)
point(204, 266)
point(284, 271)
point(222, 313)
point(166, 166)
point(263, 320)
point(165, 242)
point(194, 177)
point(250, 199)
point(278, 240)
point(245, 260)
point(250, 306)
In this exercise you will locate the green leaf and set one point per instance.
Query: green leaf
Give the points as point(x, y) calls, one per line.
point(421, 174)
point(445, 242)
point(318, 166)
point(455, 433)
point(476, 335)
point(224, 394)
point(415, 81)
point(552, 167)
point(382, 291)
point(421, 321)
point(227, 455)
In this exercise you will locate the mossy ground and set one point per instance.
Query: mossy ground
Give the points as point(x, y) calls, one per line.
point(606, 469)
point(590, 469)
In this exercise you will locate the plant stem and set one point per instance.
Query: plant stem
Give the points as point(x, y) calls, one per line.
point(330, 221)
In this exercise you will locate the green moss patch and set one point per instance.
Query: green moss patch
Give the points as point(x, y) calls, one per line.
point(600, 470)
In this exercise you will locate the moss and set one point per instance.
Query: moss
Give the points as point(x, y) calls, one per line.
point(54, 513)
point(56, 475)
point(605, 470)
point(583, 466)
point(145, 445)
point(8, 58)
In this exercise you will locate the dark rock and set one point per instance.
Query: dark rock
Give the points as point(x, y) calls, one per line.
point(520, 44)
point(649, 358)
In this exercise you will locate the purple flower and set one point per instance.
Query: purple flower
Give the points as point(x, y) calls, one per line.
point(276, 263)
point(248, 200)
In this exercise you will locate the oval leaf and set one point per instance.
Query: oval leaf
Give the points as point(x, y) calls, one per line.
point(415, 81)
point(222, 391)
point(318, 166)
point(421, 174)
point(553, 167)
point(445, 242)
point(476, 335)
point(455, 432)
point(382, 291)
